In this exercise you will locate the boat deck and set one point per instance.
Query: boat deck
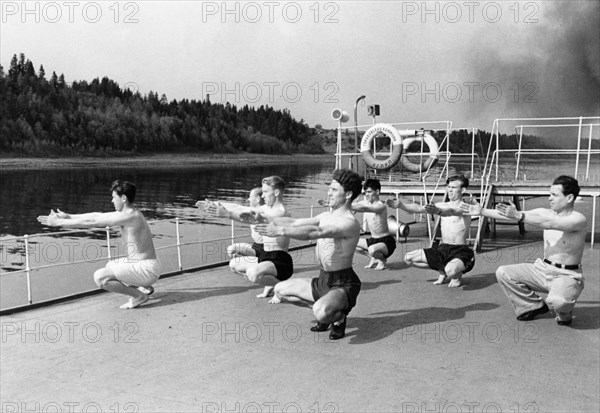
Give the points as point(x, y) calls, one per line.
point(206, 343)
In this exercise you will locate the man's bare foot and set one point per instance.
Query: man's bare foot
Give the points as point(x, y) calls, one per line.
point(440, 280)
point(267, 292)
point(381, 265)
point(134, 302)
point(372, 263)
point(455, 282)
point(275, 300)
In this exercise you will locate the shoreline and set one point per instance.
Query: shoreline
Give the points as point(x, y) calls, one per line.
point(162, 161)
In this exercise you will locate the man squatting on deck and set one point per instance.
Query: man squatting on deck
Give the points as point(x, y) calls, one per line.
point(381, 244)
point(559, 273)
point(134, 274)
point(453, 257)
point(242, 249)
point(333, 293)
point(273, 264)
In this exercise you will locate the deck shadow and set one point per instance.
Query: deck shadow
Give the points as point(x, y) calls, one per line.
point(479, 281)
point(368, 285)
point(371, 329)
point(586, 318)
point(180, 296)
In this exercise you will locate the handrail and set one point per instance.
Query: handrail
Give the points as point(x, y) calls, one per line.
point(178, 245)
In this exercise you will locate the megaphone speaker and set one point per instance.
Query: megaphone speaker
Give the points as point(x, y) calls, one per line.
point(340, 115)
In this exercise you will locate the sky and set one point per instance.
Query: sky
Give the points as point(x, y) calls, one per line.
point(468, 62)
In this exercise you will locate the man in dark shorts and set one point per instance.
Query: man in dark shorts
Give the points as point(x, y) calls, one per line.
point(273, 264)
point(333, 294)
point(242, 249)
point(453, 257)
point(381, 244)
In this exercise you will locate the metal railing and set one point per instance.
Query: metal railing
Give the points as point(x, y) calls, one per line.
point(177, 245)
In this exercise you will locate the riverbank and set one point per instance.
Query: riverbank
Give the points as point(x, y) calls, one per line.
point(164, 161)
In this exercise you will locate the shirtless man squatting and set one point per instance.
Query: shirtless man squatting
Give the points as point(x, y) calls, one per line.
point(381, 244)
point(333, 293)
point(134, 274)
point(452, 257)
point(273, 264)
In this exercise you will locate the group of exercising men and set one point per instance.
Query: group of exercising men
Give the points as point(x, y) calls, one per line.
point(333, 293)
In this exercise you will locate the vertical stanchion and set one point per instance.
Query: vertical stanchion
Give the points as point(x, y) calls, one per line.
point(472, 154)
point(108, 242)
point(587, 168)
point(312, 214)
point(232, 232)
point(178, 244)
point(28, 269)
point(593, 221)
point(578, 147)
point(398, 218)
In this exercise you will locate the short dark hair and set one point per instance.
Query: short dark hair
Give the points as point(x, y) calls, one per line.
point(349, 180)
point(569, 185)
point(124, 188)
point(464, 181)
point(275, 181)
point(374, 184)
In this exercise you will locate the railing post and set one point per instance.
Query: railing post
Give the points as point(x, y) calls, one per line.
point(593, 221)
point(578, 147)
point(587, 168)
point(312, 214)
point(28, 269)
point(108, 242)
point(472, 154)
point(232, 232)
point(519, 153)
point(178, 244)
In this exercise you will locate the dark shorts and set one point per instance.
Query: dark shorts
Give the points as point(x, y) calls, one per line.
point(346, 280)
point(282, 261)
point(388, 240)
point(441, 254)
point(258, 248)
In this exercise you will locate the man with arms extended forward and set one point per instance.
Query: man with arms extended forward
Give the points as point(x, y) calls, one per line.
point(333, 294)
point(273, 264)
point(559, 272)
point(452, 257)
point(139, 268)
point(381, 244)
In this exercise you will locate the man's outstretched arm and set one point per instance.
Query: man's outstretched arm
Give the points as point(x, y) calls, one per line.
point(90, 220)
point(412, 208)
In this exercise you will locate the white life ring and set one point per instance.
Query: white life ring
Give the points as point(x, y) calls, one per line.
point(367, 141)
point(431, 159)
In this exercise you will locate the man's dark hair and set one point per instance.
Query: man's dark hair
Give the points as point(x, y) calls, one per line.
point(349, 180)
point(464, 181)
point(374, 184)
point(124, 188)
point(569, 185)
point(275, 181)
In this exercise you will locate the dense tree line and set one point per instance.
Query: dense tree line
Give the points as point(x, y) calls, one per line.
point(42, 116)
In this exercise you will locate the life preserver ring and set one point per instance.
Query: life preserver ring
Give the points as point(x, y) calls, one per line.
point(367, 141)
point(431, 159)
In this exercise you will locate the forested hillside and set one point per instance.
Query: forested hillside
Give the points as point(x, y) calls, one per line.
point(44, 115)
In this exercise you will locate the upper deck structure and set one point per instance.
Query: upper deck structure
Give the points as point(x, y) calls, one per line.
point(505, 170)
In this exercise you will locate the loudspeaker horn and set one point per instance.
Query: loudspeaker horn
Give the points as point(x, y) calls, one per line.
point(340, 115)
